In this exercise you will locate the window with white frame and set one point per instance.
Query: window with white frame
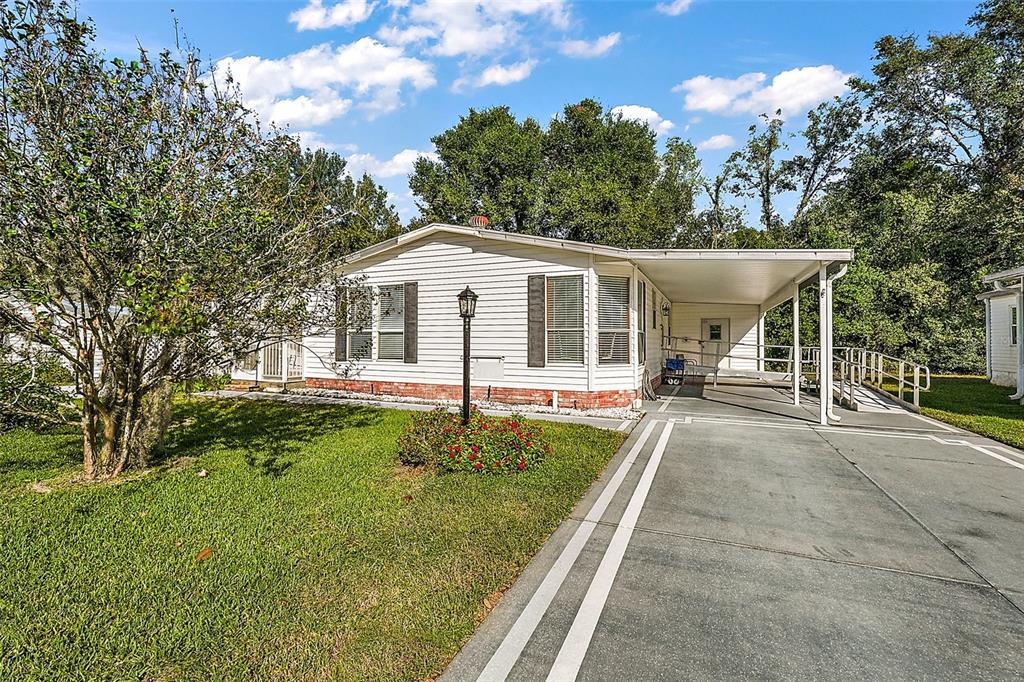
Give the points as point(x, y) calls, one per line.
point(359, 323)
point(613, 320)
point(1014, 325)
point(391, 323)
point(641, 322)
point(565, 319)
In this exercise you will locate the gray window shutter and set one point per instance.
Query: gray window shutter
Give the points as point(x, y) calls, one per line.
point(535, 288)
point(340, 326)
point(411, 322)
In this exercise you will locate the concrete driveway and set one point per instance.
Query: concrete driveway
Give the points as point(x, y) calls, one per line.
point(733, 538)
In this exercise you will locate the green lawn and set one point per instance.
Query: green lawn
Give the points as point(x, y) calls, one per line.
point(974, 404)
point(329, 561)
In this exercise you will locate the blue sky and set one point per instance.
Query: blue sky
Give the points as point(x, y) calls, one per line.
point(375, 80)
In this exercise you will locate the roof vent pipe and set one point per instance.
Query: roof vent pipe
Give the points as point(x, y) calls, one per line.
point(479, 221)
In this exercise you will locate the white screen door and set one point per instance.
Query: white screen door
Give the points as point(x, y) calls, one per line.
point(715, 333)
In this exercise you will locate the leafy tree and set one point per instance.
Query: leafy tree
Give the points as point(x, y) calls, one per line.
point(150, 232)
point(488, 163)
point(831, 140)
point(759, 173)
point(600, 169)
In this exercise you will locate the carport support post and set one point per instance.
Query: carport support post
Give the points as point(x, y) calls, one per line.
point(824, 352)
point(797, 366)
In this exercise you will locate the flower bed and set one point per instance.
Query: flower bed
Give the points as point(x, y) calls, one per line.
point(484, 445)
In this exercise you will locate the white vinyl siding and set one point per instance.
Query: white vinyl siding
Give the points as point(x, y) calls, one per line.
point(391, 322)
point(565, 319)
point(613, 320)
point(685, 320)
point(443, 265)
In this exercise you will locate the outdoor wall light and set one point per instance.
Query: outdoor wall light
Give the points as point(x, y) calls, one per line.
point(666, 308)
point(467, 303)
point(467, 309)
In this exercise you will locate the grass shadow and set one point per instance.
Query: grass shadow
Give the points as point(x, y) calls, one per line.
point(273, 434)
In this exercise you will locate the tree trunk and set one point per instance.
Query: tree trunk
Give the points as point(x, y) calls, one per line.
point(120, 429)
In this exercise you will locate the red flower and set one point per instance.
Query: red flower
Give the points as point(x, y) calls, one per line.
point(478, 465)
point(521, 465)
point(472, 457)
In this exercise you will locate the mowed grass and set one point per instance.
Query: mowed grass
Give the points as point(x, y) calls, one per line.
point(973, 403)
point(329, 560)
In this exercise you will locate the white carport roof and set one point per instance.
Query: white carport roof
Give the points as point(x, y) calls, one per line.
point(755, 276)
point(751, 276)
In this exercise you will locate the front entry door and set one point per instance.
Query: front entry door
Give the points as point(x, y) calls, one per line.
point(715, 333)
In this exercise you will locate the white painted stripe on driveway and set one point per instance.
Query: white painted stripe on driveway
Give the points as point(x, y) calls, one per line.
point(512, 646)
point(665, 403)
point(1008, 451)
point(577, 642)
point(983, 449)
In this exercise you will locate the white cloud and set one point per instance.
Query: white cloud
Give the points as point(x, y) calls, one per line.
point(499, 74)
point(646, 115)
point(317, 109)
point(345, 13)
point(399, 164)
point(588, 49)
point(468, 27)
point(314, 86)
point(674, 8)
point(716, 142)
point(792, 91)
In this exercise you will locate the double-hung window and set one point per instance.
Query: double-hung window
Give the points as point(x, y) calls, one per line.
point(359, 323)
point(565, 319)
point(391, 323)
point(613, 320)
point(1014, 325)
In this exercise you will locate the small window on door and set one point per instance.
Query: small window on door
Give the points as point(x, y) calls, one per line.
point(714, 332)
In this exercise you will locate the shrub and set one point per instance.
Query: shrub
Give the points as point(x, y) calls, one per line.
point(485, 445)
point(424, 439)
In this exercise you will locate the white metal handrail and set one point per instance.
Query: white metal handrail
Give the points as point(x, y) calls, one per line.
point(852, 366)
point(858, 366)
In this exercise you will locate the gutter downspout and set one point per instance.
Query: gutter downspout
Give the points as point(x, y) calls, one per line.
point(825, 389)
point(988, 338)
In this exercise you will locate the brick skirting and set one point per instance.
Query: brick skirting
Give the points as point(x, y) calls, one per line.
point(582, 400)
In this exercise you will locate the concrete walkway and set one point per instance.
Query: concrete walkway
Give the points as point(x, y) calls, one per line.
point(733, 538)
point(308, 399)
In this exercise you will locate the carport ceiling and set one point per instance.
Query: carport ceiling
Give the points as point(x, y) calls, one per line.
point(740, 277)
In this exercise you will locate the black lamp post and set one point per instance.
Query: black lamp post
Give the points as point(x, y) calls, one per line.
point(467, 309)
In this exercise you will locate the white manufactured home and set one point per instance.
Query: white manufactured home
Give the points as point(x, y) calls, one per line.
point(1004, 352)
point(557, 322)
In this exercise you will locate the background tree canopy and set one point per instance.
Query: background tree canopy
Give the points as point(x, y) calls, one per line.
point(920, 169)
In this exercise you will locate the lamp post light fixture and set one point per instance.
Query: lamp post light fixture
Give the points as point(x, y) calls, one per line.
point(467, 309)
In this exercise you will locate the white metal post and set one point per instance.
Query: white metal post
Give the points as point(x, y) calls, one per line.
point(797, 366)
point(760, 340)
point(828, 341)
point(824, 365)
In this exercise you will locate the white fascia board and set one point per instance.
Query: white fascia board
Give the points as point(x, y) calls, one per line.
point(609, 252)
point(827, 255)
point(996, 293)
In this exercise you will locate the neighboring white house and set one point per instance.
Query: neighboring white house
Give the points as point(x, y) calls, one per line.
point(1004, 352)
point(580, 324)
